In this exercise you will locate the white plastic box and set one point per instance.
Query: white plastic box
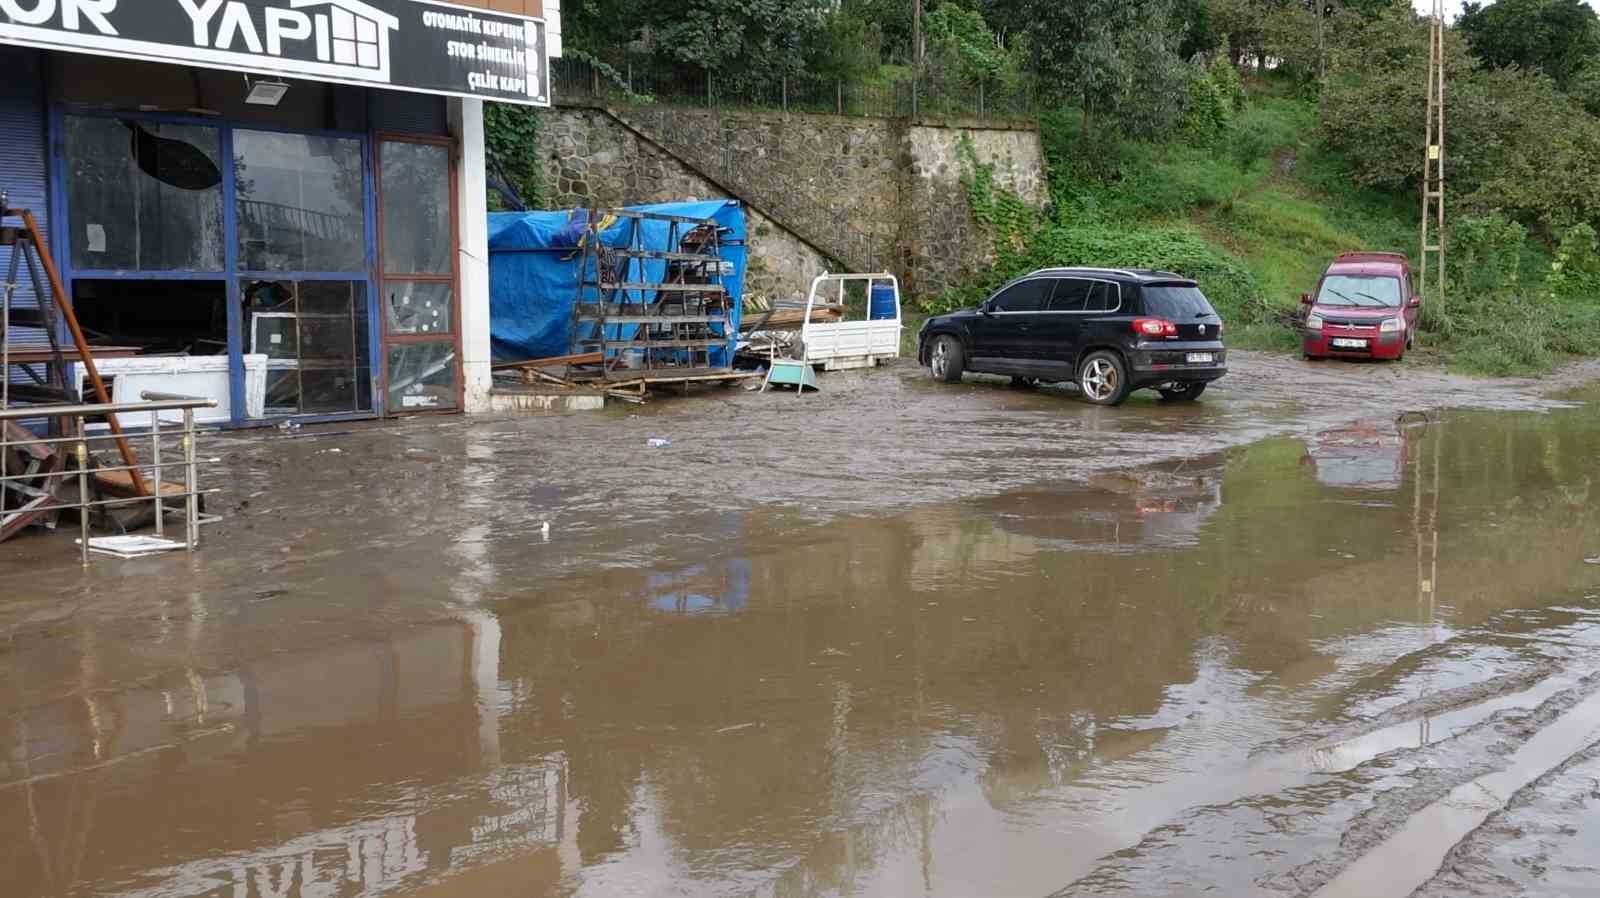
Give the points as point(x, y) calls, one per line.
point(202, 376)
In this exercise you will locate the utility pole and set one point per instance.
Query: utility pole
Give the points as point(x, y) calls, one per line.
point(916, 35)
point(1321, 11)
point(1433, 230)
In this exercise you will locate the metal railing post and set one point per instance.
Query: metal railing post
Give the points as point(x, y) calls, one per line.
point(155, 461)
point(839, 87)
point(785, 94)
point(83, 494)
point(190, 481)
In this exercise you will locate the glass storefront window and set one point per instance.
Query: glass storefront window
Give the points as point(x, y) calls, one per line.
point(422, 376)
point(299, 202)
point(143, 196)
point(416, 208)
point(420, 307)
point(314, 337)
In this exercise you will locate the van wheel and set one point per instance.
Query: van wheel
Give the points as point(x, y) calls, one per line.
point(946, 360)
point(1103, 379)
point(1183, 392)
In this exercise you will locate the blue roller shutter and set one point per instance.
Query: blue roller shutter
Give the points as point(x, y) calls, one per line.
point(23, 169)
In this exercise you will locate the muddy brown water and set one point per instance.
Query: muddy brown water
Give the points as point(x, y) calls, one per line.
point(901, 640)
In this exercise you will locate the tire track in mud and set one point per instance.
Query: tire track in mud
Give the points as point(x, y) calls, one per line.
point(1542, 654)
point(1258, 845)
point(1531, 847)
point(1363, 779)
point(1412, 854)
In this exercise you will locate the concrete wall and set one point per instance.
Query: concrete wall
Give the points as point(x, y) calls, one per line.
point(805, 178)
point(943, 246)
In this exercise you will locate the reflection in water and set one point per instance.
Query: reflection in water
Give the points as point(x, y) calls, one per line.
point(697, 590)
point(983, 699)
point(1364, 455)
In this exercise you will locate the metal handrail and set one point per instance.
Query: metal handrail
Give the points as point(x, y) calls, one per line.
point(168, 403)
point(154, 403)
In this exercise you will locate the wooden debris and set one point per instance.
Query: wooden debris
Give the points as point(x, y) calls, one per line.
point(582, 358)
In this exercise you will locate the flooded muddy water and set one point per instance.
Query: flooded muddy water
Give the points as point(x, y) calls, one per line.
point(995, 643)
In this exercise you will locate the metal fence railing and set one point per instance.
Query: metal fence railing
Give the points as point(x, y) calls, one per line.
point(43, 476)
point(626, 83)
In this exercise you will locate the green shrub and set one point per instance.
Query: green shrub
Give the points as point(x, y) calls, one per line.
point(1208, 114)
point(1575, 273)
point(1486, 254)
point(1225, 76)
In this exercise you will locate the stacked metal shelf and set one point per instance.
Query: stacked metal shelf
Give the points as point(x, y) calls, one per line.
point(653, 329)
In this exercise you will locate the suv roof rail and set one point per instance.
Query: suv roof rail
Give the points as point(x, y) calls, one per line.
point(1363, 256)
point(1125, 272)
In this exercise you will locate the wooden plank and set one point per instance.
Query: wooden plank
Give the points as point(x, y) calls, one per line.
point(666, 288)
point(119, 484)
point(581, 358)
point(665, 256)
point(629, 320)
point(657, 216)
point(665, 344)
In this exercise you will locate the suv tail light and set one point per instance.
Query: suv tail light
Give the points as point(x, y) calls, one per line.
point(1154, 327)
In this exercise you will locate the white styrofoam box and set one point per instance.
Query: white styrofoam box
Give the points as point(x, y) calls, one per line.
point(204, 376)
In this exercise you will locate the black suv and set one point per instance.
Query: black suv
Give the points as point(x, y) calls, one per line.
point(1110, 331)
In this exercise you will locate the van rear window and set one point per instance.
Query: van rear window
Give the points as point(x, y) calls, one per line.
point(1177, 303)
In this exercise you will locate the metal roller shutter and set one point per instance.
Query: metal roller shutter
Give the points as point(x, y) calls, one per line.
point(23, 167)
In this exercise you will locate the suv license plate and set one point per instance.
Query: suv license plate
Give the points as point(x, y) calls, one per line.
point(1340, 343)
point(1201, 358)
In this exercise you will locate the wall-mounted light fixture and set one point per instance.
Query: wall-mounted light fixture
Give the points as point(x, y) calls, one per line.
point(269, 92)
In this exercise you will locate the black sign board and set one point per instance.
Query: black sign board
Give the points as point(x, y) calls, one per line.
point(402, 44)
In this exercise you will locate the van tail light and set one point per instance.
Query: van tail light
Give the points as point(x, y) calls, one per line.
point(1155, 327)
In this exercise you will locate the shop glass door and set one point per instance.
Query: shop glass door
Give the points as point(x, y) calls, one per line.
point(302, 257)
point(421, 331)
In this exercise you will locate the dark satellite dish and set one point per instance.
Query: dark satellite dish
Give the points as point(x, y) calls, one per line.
point(174, 162)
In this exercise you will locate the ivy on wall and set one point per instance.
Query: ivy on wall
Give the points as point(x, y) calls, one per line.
point(511, 142)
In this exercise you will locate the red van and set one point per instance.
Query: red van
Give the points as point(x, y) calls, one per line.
point(1364, 308)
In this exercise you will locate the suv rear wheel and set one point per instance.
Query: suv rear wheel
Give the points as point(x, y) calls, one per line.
point(1183, 391)
point(946, 360)
point(1103, 379)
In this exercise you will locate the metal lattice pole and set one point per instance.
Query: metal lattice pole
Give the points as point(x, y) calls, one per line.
point(1433, 180)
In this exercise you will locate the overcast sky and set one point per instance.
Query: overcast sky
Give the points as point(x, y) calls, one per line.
point(1453, 7)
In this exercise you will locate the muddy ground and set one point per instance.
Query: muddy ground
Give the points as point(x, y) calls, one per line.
point(898, 638)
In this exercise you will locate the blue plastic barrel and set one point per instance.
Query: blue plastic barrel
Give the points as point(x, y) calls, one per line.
point(883, 305)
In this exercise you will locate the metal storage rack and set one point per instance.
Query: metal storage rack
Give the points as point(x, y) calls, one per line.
point(652, 331)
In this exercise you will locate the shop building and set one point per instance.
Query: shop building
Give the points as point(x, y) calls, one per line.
point(282, 198)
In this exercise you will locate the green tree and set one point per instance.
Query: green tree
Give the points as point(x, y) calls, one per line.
point(752, 41)
point(1515, 144)
point(1556, 37)
point(961, 44)
point(1242, 23)
point(1116, 58)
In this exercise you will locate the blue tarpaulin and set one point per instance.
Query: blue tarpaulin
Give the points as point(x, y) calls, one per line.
point(534, 260)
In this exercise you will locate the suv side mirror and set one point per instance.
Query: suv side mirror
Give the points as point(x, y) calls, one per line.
point(1415, 303)
point(1305, 299)
point(987, 308)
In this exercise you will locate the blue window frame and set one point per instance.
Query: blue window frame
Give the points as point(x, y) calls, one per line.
point(231, 274)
